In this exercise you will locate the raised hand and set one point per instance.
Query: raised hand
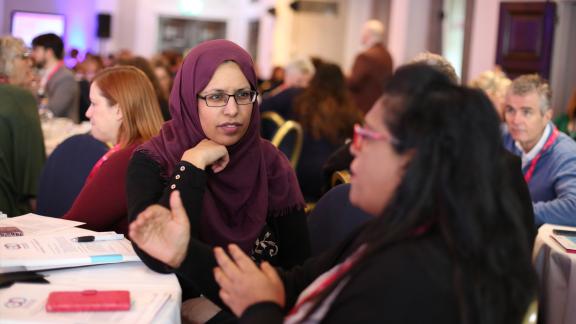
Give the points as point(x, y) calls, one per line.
point(162, 233)
point(207, 153)
point(242, 283)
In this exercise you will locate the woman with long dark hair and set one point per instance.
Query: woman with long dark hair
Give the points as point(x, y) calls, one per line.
point(327, 114)
point(448, 243)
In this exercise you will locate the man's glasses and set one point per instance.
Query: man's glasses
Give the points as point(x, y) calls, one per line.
point(220, 99)
point(25, 56)
point(361, 133)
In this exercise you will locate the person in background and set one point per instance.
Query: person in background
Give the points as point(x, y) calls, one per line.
point(59, 92)
point(371, 68)
point(438, 62)
point(494, 83)
point(298, 74)
point(327, 115)
point(85, 72)
point(548, 155)
point(124, 113)
point(143, 64)
point(276, 79)
point(446, 243)
point(566, 122)
point(22, 153)
point(236, 187)
point(165, 78)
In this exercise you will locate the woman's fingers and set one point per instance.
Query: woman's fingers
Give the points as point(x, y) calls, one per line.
point(270, 272)
point(242, 260)
point(227, 266)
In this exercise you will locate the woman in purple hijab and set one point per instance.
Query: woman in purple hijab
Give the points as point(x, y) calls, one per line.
point(235, 186)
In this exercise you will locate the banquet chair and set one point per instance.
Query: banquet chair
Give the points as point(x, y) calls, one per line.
point(340, 177)
point(271, 122)
point(65, 172)
point(288, 139)
point(333, 219)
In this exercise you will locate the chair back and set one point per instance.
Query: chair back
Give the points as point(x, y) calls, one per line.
point(340, 177)
point(65, 172)
point(271, 122)
point(288, 139)
point(531, 316)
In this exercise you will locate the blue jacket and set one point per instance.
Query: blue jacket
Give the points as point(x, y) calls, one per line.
point(553, 183)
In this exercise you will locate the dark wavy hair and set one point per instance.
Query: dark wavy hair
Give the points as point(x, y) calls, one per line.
point(457, 182)
point(325, 108)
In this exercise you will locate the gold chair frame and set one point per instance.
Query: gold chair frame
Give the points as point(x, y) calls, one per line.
point(340, 177)
point(274, 117)
point(284, 130)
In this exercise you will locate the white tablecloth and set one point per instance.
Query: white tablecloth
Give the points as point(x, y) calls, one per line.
point(56, 130)
point(557, 275)
point(129, 275)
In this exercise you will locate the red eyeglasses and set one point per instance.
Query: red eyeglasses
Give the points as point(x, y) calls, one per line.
point(361, 133)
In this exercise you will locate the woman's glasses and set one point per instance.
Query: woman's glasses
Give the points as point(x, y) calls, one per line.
point(220, 99)
point(361, 133)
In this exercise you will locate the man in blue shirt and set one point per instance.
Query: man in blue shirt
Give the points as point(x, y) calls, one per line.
point(548, 156)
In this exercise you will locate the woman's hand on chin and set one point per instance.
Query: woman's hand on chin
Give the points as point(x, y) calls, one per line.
point(207, 153)
point(162, 233)
point(243, 283)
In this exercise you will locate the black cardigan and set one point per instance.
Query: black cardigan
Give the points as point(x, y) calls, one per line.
point(146, 186)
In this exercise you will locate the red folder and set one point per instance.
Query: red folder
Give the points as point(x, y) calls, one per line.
point(88, 300)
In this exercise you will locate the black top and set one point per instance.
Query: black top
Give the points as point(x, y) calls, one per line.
point(286, 236)
point(408, 282)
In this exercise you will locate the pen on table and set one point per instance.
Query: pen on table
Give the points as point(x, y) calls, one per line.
point(93, 238)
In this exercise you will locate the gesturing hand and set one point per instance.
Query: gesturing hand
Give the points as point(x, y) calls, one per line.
point(207, 153)
point(162, 233)
point(243, 284)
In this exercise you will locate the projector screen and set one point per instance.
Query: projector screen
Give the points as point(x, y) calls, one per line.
point(27, 25)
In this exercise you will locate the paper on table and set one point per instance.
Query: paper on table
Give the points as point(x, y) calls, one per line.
point(32, 224)
point(26, 302)
point(567, 242)
point(59, 250)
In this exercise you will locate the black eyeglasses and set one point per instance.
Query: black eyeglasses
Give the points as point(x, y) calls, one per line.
point(220, 99)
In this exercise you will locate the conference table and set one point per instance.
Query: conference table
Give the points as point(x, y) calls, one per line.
point(154, 297)
point(132, 276)
point(556, 270)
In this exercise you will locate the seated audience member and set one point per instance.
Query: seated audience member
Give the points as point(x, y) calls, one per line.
point(145, 66)
point(85, 72)
point(298, 75)
point(438, 62)
point(548, 156)
point(276, 79)
point(124, 113)
point(494, 83)
point(165, 79)
point(446, 235)
point(59, 90)
point(566, 122)
point(236, 187)
point(327, 115)
point(21, 141)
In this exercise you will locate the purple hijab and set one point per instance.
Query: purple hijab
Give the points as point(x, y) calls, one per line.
point(257, 181)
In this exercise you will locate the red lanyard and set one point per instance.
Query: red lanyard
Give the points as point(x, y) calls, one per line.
point(56, 68)
point(101, 161)
point(547, 145)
